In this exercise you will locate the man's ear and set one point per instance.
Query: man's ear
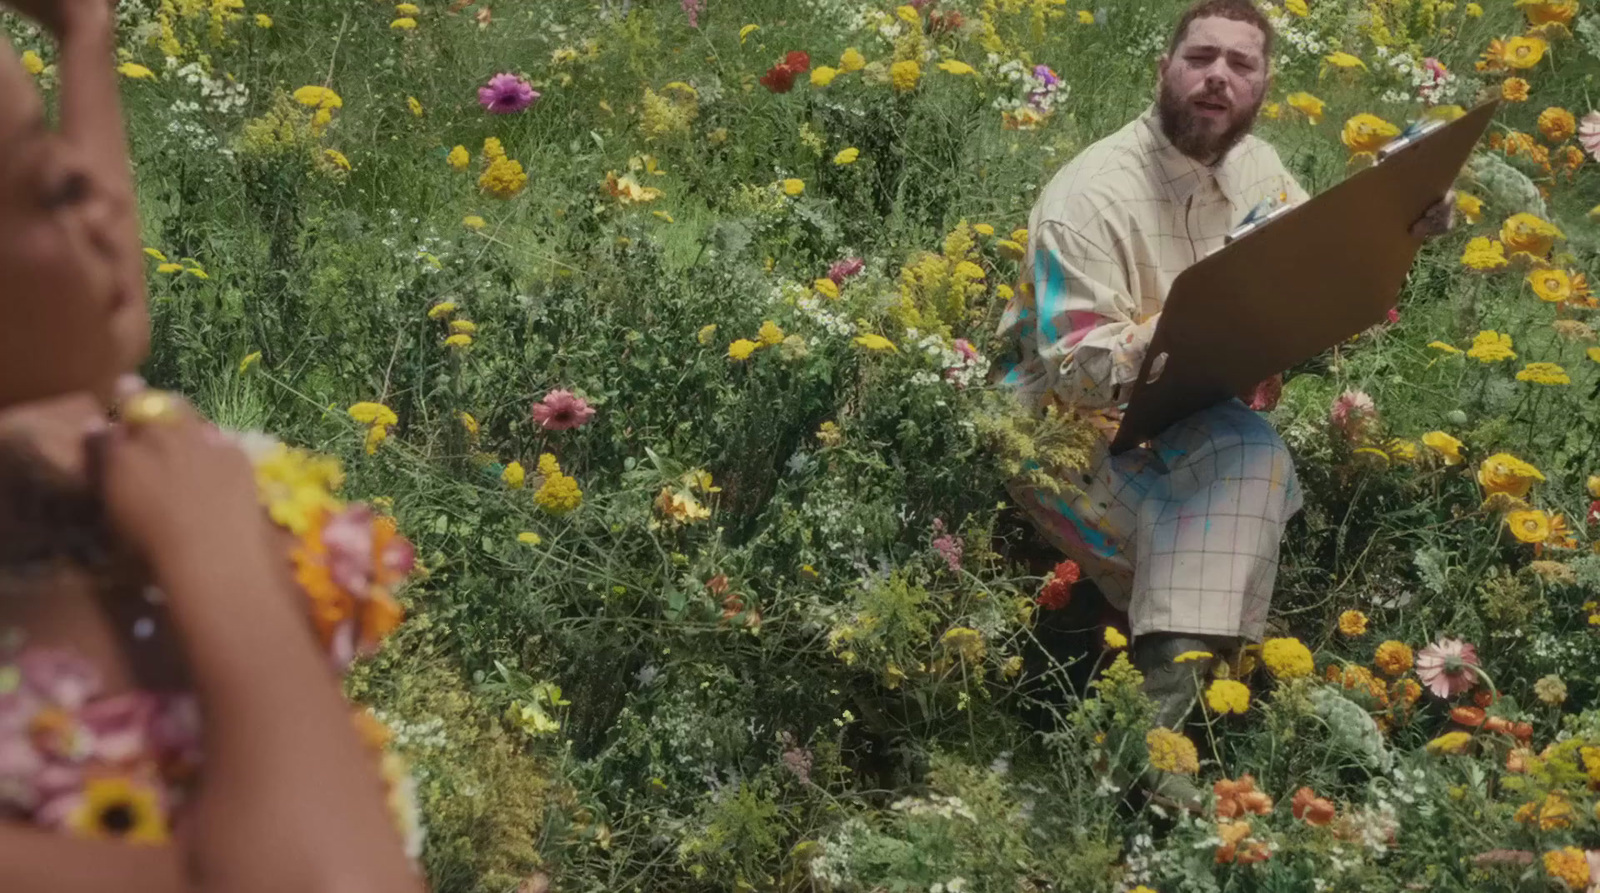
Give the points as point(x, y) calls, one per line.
point(1161, 66)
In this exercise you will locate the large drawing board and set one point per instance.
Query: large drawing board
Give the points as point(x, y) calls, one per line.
point(1306, 279)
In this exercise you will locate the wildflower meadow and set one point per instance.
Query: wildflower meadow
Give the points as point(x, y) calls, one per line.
point(663, 330)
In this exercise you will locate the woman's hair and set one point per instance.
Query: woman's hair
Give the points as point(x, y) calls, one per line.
point(49, 519)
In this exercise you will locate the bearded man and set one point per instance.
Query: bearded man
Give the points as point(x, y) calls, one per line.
point(1183, 532)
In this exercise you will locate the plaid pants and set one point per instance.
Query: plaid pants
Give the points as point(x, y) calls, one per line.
point(1181, 534)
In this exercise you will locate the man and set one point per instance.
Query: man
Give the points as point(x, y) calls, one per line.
point(1182, 533)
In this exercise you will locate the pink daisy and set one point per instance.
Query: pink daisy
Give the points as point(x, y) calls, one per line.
point(1353, 414)
point(506, 93)
point(1445, 667)
point(562, 411)
point(1589, 134)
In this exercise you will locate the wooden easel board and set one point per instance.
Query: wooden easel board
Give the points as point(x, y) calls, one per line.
point(1309, 279)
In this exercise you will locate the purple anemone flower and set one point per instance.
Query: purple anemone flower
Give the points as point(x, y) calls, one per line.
point(506, 94)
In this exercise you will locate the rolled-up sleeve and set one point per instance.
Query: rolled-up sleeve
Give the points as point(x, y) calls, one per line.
point(1089, 337)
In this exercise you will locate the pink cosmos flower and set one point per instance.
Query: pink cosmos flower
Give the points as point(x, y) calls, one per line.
point(1266, 394)
point(562, 410)
point(1589, 134)
point(1445, 667)
point(844, 269)
point(506, 94)
point(1353, 414)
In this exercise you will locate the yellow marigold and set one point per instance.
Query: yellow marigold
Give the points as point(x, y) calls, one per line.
point(1286, 658)
point(823, 75)
point(503, 178)
point(1307, 105)
point(1114, 638)
point(318, 98)
point(742, 349)
point(1228, 696)
point(852, 60)
point(1505, 473)
point(1551, 284)
point(1171, 752)
point(1484, 254)
point(1557, 124)
point(1529, 526)
point(458, 341)
point(459, 158)
point(769, 335)
point(847, 156)
point(1353, 623)
point(1523, 52)
point(1367, 133)
point(1569, 866)
point(441, 310)
point(1450, 743)
point(514, 475)
point(1544, 373)
point(369, 413)
point(1514, 90)
point(1470, 206)
point(1393, 657)
point(904, 75)
point(1526, 233)
point(559, 494)
point(1490, 346)
point(1445, 445)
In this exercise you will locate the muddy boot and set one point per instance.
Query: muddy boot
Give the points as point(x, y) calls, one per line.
point(1174, 688)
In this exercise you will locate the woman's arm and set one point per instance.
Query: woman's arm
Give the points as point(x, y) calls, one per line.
point(33, 861)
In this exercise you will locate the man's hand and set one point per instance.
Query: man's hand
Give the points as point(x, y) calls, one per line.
point(1438, 219)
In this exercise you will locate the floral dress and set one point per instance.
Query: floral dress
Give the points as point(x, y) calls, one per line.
point(79, 759)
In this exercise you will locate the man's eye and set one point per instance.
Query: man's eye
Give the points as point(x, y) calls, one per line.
point(66, 191)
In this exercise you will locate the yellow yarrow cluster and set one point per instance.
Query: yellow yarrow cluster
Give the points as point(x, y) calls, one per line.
point(669, 113)
point(1490, 346)
point(181, 24)
point(1171, 752)
point(1228, 696)
point(1287, 658)
point(559, 494)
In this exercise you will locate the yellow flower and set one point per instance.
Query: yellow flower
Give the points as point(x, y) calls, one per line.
point(1490, 346)
point(1272, 111)
point(135, 71)
point(748, 30)
point(336, 158)
point(847, 156)
point(1171, 752)
point(469, 424)
point(119, 808)
point(1593, 353)
point(706, 333)
point(32, 62)
point(1298, 7)
point(318, 98)
point(1553, 284)
point(1544, 373)
point(1450, 743)
point(1557, 124)
point(441, 310)
point(404, 23)
point(548, 464)
point(1474, 10)
point(1569, 866)
point(514, 475)
point(376, 435)
point(530, 538)
point(1114, 638)
point(369, 413)
point(459, 158)
point(1307, 105)
point(742, 349)
point(1524, 52)
point(1344, 61)
point(1010, 248)
point(793, 186)
point(823, 75)
point(904, 75)
point(458, 341)
point(170, 268)
point(493, 149)
point(1228, 696)
point(463, 327)
point(826, 287)
point(1514, 90)
point(1287, 658)
point(1505, 473)
point(559, 494)
point(297, 486)
point(1470, 206)
point(1192, 656)
point(955, 66)
point(1529, 526)
point(503, 178)
point(263, 20)
point(414, 105)
point(769, 335)
point(1593, 485)
point(407, 9)
point(474, 222)
point(1443, 347)
point(852, 60)
point(874, 341)
point(1367, 133)
point(250, 359)
point(1353, 623)
point(1393, 657)
point(965, 642)
point(680, 508)
point(1445, 445)
point(197, 273)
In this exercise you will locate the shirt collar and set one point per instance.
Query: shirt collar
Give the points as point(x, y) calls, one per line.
point(1181, 175)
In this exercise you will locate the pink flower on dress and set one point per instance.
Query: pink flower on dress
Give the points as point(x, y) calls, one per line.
point(1353, 414)
point(844, 269)
point(1589, 134)
point(1446, 667)
point(506, 94)
point(119, 727)
point(562, 410)
point(350, 540)
point(60, 678)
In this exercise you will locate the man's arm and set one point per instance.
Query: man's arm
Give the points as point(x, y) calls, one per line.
point(1089, 334)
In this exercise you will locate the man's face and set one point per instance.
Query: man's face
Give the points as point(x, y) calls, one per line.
point(1212, 86)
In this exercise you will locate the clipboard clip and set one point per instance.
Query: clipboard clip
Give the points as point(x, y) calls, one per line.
point(1256, 220)
point(1414, 131)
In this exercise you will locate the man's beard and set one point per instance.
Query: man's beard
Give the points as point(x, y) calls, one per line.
point(1190, 133)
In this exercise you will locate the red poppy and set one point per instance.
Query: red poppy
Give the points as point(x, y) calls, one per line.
point(778, 79)
point(799, 60)
point(1057, 591)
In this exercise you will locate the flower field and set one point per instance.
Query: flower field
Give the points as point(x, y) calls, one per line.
point(663, 329)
